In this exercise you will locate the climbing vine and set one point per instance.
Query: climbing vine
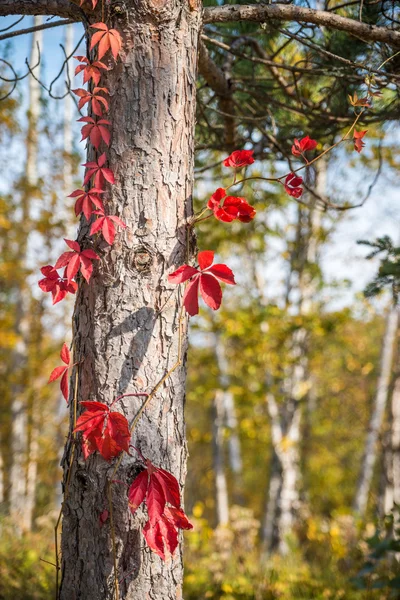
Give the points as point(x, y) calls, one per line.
point(100, 426)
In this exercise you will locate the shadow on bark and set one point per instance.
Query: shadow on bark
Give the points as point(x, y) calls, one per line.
point(141, 324)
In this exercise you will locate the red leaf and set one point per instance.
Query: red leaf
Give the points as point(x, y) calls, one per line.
point(205, 259)
point(292, 185)
point(77, 259)
point(223, 273)
point(154, 538)
point(182, 274)
point(191, 297)
point(106, 39)
point(64, 385)
point(137, 491)
point(239, 158)
point(90, 70)
point(303, 145)
point(169, 486)
point(56, 373)
point(177, 517)
point(106, 225)
point(65, 354)
point(155, 499)
point(62, 371)
point(99, 171)
point(206, 278)
point(210, 291)
point(103, 430)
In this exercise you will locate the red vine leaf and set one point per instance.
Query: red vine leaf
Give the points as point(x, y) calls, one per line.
point(231, 209)
point(77, 259)
point(159, 490)
point(94, 3)
point(62, 371)
point(90, 70)
point(356, 101)
point(58, 286)
point(239, 158)
point(99, 171)
point(96, 131)
point(103, 430)
point(292, 185)
point(204, 279)
point(98, 102)
point(303, 145)
point(107, 39)
point(105, 224)
point(85, 200)
point(358, 140)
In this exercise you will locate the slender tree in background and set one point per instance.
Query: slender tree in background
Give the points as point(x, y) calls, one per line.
point(378, 412)
point(128, 329)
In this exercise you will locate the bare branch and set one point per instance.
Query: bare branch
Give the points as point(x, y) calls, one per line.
point(289, 12)
point(59, 8)
point(12, 34)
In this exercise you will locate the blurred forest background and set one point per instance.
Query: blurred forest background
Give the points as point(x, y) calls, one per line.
point(293, 403)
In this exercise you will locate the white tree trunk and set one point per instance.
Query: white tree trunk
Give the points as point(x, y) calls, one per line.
point(221, 487)
point(380, 401)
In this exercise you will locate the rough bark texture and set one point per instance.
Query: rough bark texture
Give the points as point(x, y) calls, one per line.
point(126, 320)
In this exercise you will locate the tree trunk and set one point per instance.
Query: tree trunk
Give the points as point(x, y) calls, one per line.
point(221, 487)
point(369, 459)
point(391, 464)
point(126, 321)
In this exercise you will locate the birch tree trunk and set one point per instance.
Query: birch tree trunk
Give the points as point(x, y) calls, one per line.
point(283, 496)
point(391, 463)
point(126, 321)
point(370, 451)
point(221, 486)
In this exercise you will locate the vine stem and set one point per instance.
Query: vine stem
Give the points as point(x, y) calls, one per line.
point(57, 525)
point(279, 179)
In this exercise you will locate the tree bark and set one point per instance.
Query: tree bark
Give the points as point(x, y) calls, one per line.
point(126, 321)
point(60, 8)
point(370, 451)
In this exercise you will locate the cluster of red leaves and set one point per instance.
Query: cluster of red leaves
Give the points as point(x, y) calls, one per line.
point(99, 171)
point(102, 430)
point(85, 200)
point(106, 39)
point(77, 259)
point(358, 140)
point(96, 131)
point(206, 279)
point(106, 225)
point(57, 285)
point(62, 371)
point(91, 71)
point(301, 146)
point(159, 490)
point(231, 209)
point(99, 103)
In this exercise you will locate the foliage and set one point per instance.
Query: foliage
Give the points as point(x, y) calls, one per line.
point(389, 270)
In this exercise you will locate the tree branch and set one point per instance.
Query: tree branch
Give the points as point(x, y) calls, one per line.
point(12, 34)
point(290, 12)
point(217, 80)
point(59, 8)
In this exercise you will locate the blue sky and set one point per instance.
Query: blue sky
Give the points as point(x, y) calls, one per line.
point(342, 257)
